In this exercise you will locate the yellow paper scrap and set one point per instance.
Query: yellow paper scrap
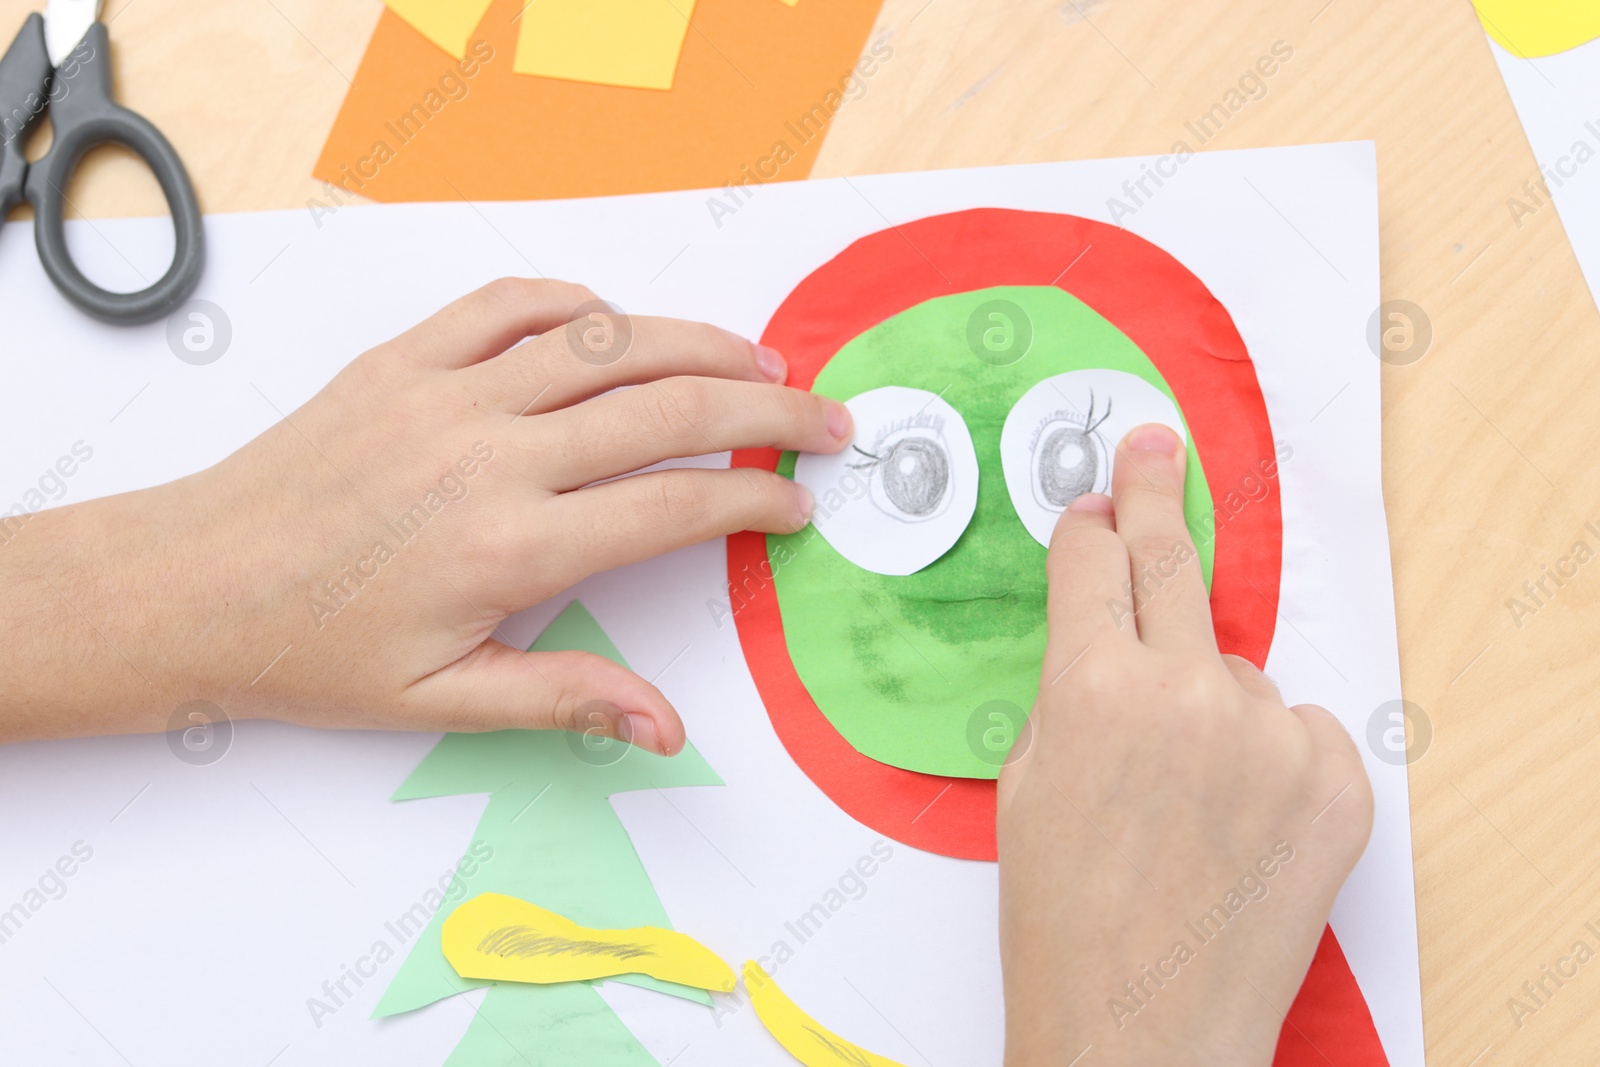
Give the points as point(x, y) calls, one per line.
point(630, 43)
point(1533, 28)
point(501, 938)
point(447, 23)
point(806, 1039)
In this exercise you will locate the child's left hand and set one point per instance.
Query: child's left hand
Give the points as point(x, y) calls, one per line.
point(349, 566)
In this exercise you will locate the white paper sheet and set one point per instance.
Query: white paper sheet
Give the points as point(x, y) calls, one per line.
point(1558, 100)
point(219, 898)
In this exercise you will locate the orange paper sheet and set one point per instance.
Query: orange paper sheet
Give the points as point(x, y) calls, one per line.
point(755, 89)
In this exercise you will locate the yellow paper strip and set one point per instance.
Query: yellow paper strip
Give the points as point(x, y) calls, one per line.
point(806, 1039)
point(447, 23)
point(501, 938)
point(630, 43)
point(1533, 28)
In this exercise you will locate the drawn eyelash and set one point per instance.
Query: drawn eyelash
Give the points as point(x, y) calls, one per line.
point(1089, 423)
point(919, 421)
point(874, 459)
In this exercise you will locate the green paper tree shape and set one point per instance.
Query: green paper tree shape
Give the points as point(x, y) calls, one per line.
point(557, 842)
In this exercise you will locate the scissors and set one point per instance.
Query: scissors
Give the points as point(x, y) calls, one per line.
point(62, 61)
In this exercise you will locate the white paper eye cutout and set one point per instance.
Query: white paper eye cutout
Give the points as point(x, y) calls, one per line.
point(1060, 439)
point(902, 493)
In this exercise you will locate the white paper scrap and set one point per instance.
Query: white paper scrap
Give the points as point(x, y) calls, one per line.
point(899, 497)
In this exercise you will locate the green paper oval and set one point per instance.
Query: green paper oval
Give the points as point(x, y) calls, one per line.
point(900, 665)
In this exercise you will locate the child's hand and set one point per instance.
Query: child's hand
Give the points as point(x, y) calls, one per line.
point(1171, 824)
point(349, 566)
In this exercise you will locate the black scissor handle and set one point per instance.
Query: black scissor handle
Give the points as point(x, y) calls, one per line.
point(85, 116)
point(24, 78)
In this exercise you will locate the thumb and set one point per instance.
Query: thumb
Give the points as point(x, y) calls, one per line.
point(497, 687)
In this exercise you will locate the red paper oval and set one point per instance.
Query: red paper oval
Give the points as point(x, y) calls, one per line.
point(1162, 308)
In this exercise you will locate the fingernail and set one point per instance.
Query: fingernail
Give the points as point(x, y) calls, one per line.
point(839, 421)
point(639, 730)
point(1097, 503)
point(1153, 437)
point(807, 501)
point(772, 363)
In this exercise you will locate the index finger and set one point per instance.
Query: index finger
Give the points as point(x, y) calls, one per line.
point(487, 321)
point(559, 369)
point(1170, 600)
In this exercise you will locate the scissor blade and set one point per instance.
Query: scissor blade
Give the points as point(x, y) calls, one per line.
point(65, 23)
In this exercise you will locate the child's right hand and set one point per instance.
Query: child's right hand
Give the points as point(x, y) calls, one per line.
point(1160, 778)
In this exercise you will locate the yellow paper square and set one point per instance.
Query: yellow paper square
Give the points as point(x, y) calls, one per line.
point(631, 43)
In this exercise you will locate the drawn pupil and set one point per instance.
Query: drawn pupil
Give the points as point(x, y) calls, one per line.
point(1068, 466)
point(916, 473)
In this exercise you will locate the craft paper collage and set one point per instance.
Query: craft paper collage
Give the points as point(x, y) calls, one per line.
point(284, 889)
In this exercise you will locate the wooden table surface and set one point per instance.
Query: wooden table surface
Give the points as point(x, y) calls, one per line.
point(1489, 440)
